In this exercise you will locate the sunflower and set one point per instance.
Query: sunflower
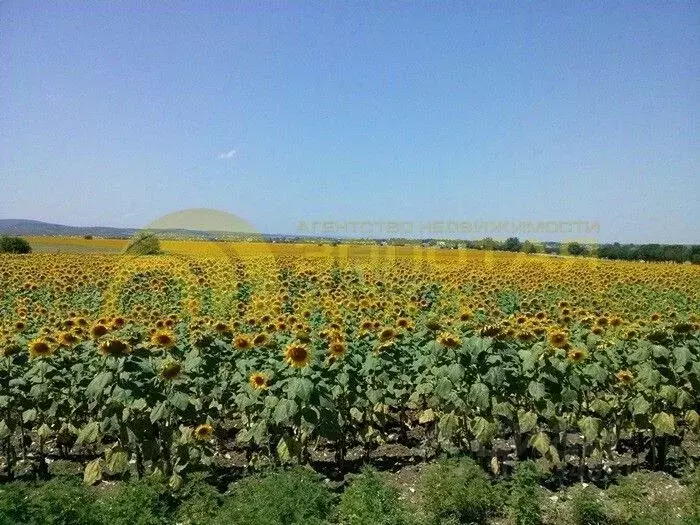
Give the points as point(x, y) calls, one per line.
point(466, 315)
point(557, 338)
point(242, 342)
point(260, 339)
point(624, 377)
point(297, 355)
point(222, 328)
point(525, 335)
point(40, 348)
point(114, 347)
point(203, 432)
point(171, 370)
point(163, 339)
point(366, 324)
point(337, 348)
point(9, 349)
point(577, 355)
point(68, 339)
point(489, 331)
point(258, 381)
point(404, 322)
point(433, 324)
point(449, 340)
point(387, 334)
point(683, 328)
point(98, 330)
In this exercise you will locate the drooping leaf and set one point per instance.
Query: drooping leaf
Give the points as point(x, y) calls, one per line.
point(426, 416)
point(90, 433)
point(536, 390)
point(284, 411)
point(589, 426)
point(443, 388)
point(93, 471)
point(480, 395)
point(159, 412)
point(98, 384)
point(664, 423)
point(526, 421)
point(541, 442)
point(117, 460)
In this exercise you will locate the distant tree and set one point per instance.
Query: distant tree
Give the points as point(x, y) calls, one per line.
point(512, 244)
point(14, 245)
point(144, 244)
point(488, 244)
point(87, 237)
point(694, 254)
point(676, 253)
point(576, 248)
point(528, 247)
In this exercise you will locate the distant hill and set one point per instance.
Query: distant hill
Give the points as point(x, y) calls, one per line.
point(25, 227)
point(37, 228)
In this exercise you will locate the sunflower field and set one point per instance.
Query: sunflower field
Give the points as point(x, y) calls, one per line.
point(286, 353)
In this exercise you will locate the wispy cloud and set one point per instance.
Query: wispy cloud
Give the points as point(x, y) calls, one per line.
point(228, 155)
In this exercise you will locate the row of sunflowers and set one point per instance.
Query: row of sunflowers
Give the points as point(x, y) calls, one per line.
point(171, 362)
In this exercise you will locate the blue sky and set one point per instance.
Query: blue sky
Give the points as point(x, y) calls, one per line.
point(116, 113)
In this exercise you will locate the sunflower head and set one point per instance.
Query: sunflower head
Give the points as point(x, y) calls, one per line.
point(557, 338)
point(40, 347)
point(466, 315)
point(433, 324)
point(114, 347)
point(261, 339)
point(68, 339)
point(163, 339)
point(490, 331)
point(221, 328)
point(337, 348)
point(624, 377)
point(10, 348)
point(203, 432)
point(387, 334)
point(297, 355)
point(577, 355)
point(683, 328)
point(524, 335)
point(449, 340)
point(258, 381)
point(171, 370)
point(242, 342)
point(98, 330)
point(404, 322)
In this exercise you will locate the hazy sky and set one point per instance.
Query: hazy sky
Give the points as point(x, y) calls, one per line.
point(115, 113)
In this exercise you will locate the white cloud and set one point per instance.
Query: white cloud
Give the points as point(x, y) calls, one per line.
point(228, 155)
